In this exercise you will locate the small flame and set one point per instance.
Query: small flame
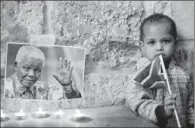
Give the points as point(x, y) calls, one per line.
point(59, 112)
point(78, 113)
point(21, 111)
point(40, 110)
point(2, 114)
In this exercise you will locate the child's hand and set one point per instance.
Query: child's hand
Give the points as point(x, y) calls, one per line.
point(169, 104)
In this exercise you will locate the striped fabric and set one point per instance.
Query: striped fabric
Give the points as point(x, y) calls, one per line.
point(143, 101)
point(40, 90)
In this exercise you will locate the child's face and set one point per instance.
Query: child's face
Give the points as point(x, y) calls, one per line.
point(157, 41)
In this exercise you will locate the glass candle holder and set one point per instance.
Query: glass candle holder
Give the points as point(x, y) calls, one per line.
point(20, 115)
point(3, 116)
point(41, 114)
point(59, 113)
point(78, 116)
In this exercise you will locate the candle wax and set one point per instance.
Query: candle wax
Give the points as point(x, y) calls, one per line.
point(40, 113)
point(20, 115)
point(3, 116)
point(59, 113)
point(78, 113)
point(78, 116)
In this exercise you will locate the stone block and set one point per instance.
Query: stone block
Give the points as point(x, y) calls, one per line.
point(46, 39)
point(184, 18)
point(104, 90)
point(116, 54)
point(182, 12)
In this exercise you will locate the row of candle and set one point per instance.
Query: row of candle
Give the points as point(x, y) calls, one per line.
point(41, 114)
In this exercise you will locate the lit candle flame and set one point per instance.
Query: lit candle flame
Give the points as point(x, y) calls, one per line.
point(78, 113)
point(40, 111)
point(20, 113)
point(59, 112)
point(2, 114)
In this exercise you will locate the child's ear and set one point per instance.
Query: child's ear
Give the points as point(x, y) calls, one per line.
point(15, 65)
point(176, 41)
point(141, 43)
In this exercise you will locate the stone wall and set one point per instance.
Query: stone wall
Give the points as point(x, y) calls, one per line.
point(107, 29)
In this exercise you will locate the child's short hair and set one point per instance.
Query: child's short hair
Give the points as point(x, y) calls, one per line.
point(158, 17)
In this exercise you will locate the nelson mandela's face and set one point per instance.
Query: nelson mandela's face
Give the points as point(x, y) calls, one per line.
point(28, 70)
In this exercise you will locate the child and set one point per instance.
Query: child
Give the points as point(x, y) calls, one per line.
point(159, 37)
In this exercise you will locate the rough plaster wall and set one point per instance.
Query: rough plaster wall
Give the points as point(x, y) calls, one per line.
point(93, 25)
point(91, 22)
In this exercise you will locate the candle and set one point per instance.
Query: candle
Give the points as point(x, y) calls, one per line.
point(59, 113)
point(3, 116)
point(20, 115)
point(40, 113)
point(78, 116)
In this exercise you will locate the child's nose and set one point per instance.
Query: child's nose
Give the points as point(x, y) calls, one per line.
point(159, 46)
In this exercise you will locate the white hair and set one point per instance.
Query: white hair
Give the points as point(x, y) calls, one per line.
point(30, 51)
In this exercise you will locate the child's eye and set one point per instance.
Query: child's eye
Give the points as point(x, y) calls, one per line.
point(166, 41)
point(151, 42)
